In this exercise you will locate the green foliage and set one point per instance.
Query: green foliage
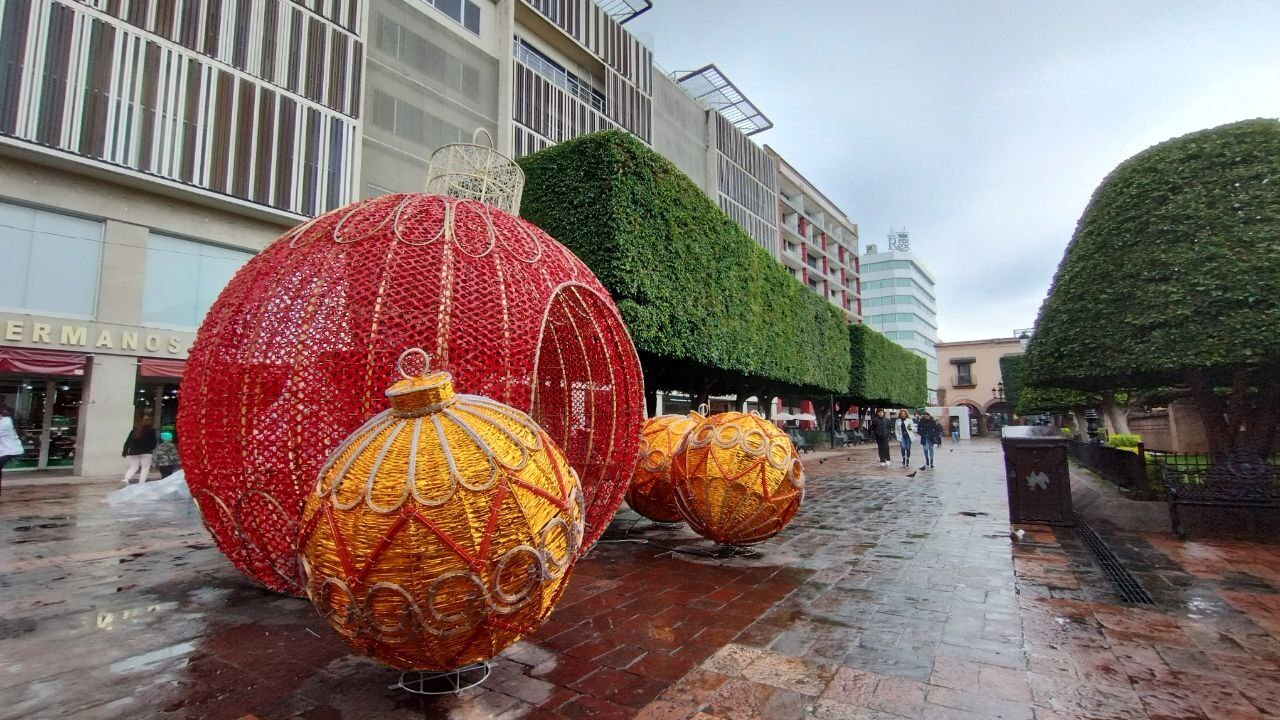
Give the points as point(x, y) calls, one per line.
point(1172, 267)
point(1013, 375)
point(699, 297)
point(1031, 400)
point(883, 372)
point(1052, 400)
point(1124, 440)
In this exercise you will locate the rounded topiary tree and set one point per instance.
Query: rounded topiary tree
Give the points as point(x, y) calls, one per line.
point(1173, 278)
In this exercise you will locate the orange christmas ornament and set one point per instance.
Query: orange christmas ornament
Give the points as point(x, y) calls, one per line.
point(441, 530)
point(650, 492)
point(737, 479)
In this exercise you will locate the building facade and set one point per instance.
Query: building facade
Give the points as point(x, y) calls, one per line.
point(971, 378)
point(149, 148)
point(819, 244)
point(147, 151)
point(899, 299)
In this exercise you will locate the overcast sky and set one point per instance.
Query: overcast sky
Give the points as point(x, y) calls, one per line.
point(982, 126)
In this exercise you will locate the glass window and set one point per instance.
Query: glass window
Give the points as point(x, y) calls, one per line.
point(471, 17)
point(52, 261)
point(964, 374)
point(183, 279)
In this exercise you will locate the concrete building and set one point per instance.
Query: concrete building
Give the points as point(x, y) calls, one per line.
point(819, 242)
point(971, 378)
point(149, 149)
point(899, 299)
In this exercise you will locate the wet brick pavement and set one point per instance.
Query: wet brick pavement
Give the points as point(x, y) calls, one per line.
point(888, 597)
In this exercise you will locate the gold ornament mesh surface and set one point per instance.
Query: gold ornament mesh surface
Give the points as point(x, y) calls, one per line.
point(650, 492)
point(442, 530)
point(737, 479)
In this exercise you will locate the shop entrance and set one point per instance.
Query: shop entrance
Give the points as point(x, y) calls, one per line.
point(46, 414)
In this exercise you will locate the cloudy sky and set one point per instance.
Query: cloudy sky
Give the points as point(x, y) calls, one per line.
point(982, 126)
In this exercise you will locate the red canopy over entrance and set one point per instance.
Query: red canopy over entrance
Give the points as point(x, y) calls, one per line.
point(157, 368)
point(41, 362)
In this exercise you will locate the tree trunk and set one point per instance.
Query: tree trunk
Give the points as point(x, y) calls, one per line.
point(766, 404)
point(650, 401)
point(1080, 424)
point(1213, 413)
point(1117, 417)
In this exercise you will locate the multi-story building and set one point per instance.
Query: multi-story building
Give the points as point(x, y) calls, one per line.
point(899, 299)
point(149, 149)
point(819, 242)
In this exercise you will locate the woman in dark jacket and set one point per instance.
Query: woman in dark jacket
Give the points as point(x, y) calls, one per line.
point(930, 436)
point(138, 447)
point(882, 430)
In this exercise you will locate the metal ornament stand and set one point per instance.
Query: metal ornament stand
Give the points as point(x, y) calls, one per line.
point(451, 682)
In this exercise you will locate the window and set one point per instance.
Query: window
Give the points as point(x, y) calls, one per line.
point(463, 12)
point(183, 279)
point(540, 63)
point(964, 374)
point(888, 265)
point(51, 261)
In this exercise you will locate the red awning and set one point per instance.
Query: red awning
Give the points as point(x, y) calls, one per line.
point(157, 368)
point(41, 362)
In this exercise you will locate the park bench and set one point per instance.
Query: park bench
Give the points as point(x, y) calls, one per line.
point(802, 443)
point(1244, 482)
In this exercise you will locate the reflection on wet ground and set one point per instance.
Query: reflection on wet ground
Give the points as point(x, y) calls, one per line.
point(888, 597)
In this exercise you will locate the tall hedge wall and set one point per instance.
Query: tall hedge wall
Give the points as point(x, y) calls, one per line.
point(697, 294)
point(882, 372)
point(1027, 399)
point(1013, 372)
point(1173, 267)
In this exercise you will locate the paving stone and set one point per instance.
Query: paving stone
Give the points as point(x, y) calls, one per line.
point(881, 600)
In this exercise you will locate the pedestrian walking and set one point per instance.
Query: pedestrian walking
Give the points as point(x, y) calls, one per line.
point(10, 444)
point(903, 429)
point(166, 455)
point(882, 430)
point(138, 448)
point(930, 432)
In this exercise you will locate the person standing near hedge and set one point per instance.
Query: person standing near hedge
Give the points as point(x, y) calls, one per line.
point(930, 431)
point(882, 430)
point(903, 429)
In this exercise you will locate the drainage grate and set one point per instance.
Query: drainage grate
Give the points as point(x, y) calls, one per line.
point(1126, 584)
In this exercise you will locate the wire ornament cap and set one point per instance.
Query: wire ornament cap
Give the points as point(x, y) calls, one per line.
point(472, 171)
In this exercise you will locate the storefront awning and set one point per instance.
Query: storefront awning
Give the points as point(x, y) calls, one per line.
point(158, 368)
point(41, 362)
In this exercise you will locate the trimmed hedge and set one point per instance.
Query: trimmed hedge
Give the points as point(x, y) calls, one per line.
point(1173, 267)
point(701, 300)
point(1031, 400)
point(884, 373)
point(1013, 371)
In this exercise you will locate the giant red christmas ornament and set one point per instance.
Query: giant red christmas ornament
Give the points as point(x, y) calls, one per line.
point(296, 351)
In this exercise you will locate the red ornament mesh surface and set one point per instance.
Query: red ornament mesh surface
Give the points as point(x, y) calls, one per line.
point(296, 351)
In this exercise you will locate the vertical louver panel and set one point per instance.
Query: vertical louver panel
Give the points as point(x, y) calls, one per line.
point(75, 80)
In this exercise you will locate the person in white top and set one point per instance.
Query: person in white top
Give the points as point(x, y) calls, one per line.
point(904, 429)
point(10, 445)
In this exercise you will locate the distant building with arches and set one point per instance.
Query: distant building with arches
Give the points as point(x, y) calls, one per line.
point(969, 376)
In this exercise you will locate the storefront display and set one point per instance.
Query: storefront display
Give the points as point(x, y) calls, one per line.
point(43, 388)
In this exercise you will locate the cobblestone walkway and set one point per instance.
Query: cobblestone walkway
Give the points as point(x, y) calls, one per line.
point(888, 597)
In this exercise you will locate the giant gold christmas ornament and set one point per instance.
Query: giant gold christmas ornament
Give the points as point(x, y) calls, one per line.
point(650, 493)
point(737, 479)
point(295, 353)
point(441, 530)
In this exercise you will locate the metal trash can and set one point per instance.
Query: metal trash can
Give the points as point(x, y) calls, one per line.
point(1036, 475)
